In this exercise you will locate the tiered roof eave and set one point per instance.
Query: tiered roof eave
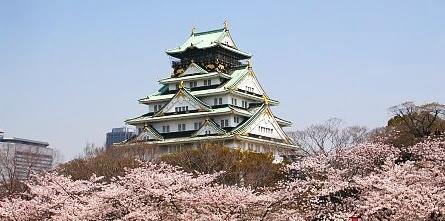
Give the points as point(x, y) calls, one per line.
point(201, 93)
point(207, 40)
point(234, 78)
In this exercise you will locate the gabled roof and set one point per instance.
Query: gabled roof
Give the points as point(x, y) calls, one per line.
point(208, 39)
point(193, 69)
point(209, 124)
point(240, 76)
point(246, 126)
point(184, 92)
point(242, 127)
point(148, 133)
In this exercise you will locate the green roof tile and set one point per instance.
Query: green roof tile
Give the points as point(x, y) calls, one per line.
point(208, 39)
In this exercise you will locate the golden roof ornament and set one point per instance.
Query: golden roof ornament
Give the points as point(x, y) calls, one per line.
point(181, 85)
point(249, 64)
point(193, 31)
point(265, 100)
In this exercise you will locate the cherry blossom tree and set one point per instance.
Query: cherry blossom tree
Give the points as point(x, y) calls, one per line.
point(370, 180)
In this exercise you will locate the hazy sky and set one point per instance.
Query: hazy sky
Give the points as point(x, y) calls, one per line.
point(72, 70)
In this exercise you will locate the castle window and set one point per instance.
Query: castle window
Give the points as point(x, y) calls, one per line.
point(215, 101)
point(166, 129)
point(250, 146)
point(224, 123)
point(193, 84)
point(220, 100)
point(181, 109)
point(197, 125)
point(265, 130)
point(236, 119)
point(157, 107)
point(234, 101)
point(181, 127)
point(244, 104)
point(207, 82)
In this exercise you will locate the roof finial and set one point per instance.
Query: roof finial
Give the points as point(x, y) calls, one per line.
point(226, 25)
point(193, 31)
point(145, 126)
point(249, 63)
point(181, 85)
point(265, 100)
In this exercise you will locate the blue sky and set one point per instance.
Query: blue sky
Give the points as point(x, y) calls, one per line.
point(72, 70)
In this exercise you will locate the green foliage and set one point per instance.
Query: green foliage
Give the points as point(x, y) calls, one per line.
point(241, 167)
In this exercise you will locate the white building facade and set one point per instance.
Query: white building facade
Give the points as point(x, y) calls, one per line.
point(212, 95)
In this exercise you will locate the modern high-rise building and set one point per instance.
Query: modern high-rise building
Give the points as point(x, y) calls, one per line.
point(20, 157)
point(118, 135)
point(211, 95)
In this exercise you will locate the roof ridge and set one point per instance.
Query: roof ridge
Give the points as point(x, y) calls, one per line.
point(209, 32)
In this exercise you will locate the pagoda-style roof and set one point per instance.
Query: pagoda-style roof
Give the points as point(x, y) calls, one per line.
point(237, 76)
point(216, 71)
point(213, 112)
point(202, 93)
point(209, 39)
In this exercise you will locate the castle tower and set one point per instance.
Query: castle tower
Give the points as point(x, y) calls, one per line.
point(212, 95)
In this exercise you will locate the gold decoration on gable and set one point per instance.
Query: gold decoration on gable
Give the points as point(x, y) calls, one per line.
point(210, 66)
point(221, 67)
point(179, 71)
point(265, 100)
